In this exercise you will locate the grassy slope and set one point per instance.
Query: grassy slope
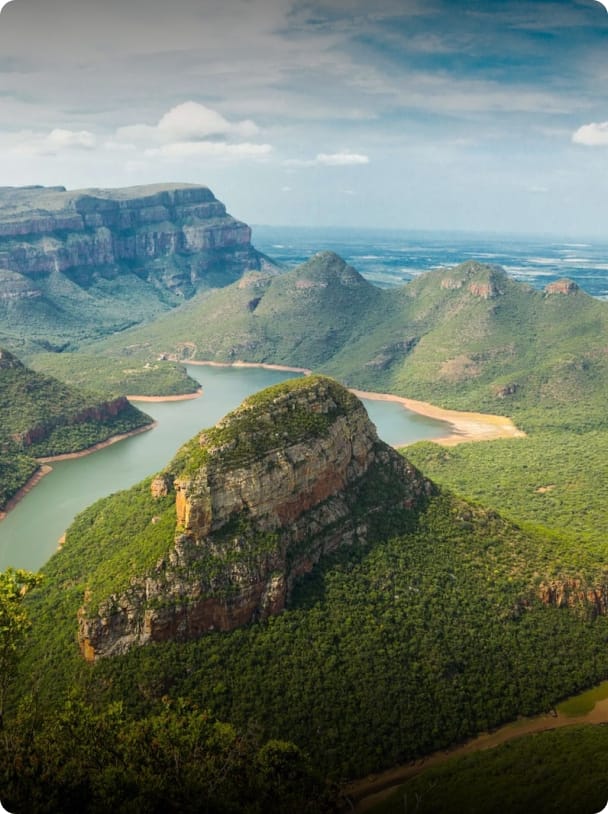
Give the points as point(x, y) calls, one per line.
point(115, 376)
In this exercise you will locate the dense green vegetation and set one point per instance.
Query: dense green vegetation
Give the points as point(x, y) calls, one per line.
point(557, 480)
point(14, 622)
point(560, 770)
point(16, 469)
point(180, 760)
point(385, 653)
point(41, 416)
point(104, 374)
point(466, 338)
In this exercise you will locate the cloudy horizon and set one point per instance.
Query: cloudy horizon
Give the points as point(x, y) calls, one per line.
point(476, 116)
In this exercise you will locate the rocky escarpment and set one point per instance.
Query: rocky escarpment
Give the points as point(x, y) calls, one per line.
point(592, 600)
point(296, 472)
point(173, 235)
point(108, 258)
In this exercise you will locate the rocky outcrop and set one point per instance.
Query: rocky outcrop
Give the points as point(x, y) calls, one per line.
point(575, 593)
point(563, 286)
point(293, 474)
point(174, 238)
point(395, 352)
point(9, 362)
point(483, 281)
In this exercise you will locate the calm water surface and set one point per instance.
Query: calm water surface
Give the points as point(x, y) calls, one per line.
point(29, 534)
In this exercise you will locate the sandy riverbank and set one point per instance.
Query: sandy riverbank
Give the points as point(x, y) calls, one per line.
point(114, 439)
point(45, 469)
point(183, 397)
point(369, 791)
point(465, 426)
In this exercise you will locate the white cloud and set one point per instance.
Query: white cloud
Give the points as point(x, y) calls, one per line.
point(592, 135)
point(213, 149)
point(341, 159)
point(187, 122)
point(192, 130)
point(58, 140)
point(191, 120)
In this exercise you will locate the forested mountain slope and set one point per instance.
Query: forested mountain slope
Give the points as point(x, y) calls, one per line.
point(41, 416)
point(431, 620)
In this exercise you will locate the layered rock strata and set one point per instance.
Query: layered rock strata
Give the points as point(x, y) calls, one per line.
point(293, 474)
point(52, 230)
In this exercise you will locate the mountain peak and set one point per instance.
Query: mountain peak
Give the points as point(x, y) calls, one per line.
point(479, 279)
point(294, 473)
point(328, 267)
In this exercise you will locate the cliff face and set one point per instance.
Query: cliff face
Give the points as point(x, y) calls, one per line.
point(106, 259)
point(575, 593)
point(182, 230)
point(295, 473)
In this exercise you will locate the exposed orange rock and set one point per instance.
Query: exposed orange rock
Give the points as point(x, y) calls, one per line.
point(248, 525)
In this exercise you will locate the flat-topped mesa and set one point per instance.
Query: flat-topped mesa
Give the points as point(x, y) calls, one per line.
point(294, 473)
point(182, 228)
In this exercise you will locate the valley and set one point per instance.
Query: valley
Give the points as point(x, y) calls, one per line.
point(286, 586)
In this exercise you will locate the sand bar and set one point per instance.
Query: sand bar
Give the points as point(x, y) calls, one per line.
point(465, 426)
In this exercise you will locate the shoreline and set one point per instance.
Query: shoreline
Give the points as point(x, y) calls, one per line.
point(45, 469)
point(465, 426)
point(266, 365)
point(373, 789)
point(113, 439)
point(182, 397)
point(27, 487)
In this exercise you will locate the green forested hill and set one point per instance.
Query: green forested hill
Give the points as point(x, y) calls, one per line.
point(41, 416)
point(467, 338)
point(433, 631)
point(384, 654)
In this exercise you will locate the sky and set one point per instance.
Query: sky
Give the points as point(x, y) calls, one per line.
point(481, 115)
